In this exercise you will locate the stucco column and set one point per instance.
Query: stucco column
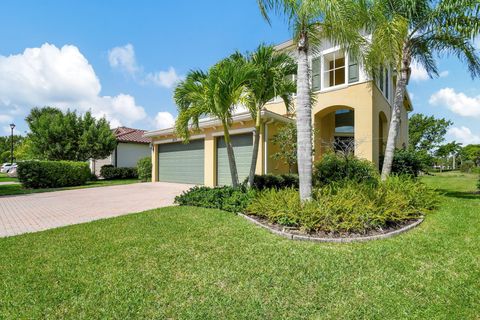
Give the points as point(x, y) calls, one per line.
point(155, 163)
point(364, 137)
point(210, 160)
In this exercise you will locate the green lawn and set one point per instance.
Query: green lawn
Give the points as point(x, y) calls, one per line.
point(190, 263)
point(15, 189)
point(5, 178)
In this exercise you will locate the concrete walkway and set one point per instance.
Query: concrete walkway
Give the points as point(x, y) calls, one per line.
point(42, 211)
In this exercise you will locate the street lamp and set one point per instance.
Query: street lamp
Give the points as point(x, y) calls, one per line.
point(12, 126)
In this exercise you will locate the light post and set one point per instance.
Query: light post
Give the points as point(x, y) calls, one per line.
point(12, 126)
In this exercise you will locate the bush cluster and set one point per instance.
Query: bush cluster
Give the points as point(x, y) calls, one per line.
point(52, 174)
point(351, 207)
point(408, 162)
point(144, 169)
point(270, 181)
point(334, 168)
point(478, 184)
point(223, 198)
point(467, 166)
point(109, 172)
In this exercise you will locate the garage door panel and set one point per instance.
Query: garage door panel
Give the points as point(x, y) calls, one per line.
point(243, 149)
point(182, 163)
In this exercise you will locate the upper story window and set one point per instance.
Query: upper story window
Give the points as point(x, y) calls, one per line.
point(334, 69)
point(337, 69)
point(383, 82)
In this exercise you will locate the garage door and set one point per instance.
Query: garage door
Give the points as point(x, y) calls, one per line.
point(182, 163)
point(242, 148)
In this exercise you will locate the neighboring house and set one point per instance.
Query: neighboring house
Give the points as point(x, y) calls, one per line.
point(349, 109)
point(131, 146)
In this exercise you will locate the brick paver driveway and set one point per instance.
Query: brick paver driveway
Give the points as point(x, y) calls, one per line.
point(41, 211)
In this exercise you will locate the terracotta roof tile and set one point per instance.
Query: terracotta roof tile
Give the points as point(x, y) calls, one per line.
point(125, 134)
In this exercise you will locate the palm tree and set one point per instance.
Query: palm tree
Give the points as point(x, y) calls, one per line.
point(215, 93)
point(311, 21)
point(270, 80)
point(404, 31)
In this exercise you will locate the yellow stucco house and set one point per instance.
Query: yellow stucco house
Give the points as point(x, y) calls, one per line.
point(350, 109)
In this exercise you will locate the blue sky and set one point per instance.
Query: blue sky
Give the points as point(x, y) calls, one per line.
point(121, 59)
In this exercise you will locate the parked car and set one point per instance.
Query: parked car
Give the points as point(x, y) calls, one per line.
point(7, 166)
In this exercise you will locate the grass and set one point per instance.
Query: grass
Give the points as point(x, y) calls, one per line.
point(191, 263)
point(5, 178)
point(16, 189)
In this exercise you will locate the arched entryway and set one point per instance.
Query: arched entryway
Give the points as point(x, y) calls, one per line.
point(334, 130)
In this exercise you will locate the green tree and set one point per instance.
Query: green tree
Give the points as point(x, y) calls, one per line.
point(451, 149)
point(215, 93)
point(286, 140)
point(404, 31)
point(270, 79)
point(55, 135)
point(471, 152)
point(311, 21)
point(427, 132)
point(6, 145)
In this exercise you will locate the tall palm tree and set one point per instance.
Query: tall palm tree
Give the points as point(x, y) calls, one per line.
point(404, 31)
point(215, 93)
point(311, 21)
point(270, 79)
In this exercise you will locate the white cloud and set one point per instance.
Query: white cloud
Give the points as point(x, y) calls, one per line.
point(458, 103)
point(4, 118)
point(60, 77)
point(164, 120)
point(418, 72)
point(463, 135)
point(443, 74)
point(123, 58)
point(166, 79)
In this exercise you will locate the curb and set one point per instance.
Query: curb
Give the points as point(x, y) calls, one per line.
point(292, 236)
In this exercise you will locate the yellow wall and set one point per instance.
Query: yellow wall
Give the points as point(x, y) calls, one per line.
point(273, 166)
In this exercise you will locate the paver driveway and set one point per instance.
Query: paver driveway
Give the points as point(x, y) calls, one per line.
point(41, 211)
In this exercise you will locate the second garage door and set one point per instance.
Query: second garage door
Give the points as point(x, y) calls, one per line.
point(181, 163)
point(243, 149)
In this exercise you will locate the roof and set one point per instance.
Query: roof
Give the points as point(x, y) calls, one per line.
point(213, 122)
point(124, 134)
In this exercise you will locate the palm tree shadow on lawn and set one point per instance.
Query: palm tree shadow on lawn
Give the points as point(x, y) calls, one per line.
point(459, 194)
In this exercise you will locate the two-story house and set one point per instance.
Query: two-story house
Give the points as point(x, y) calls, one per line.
point(350, 110)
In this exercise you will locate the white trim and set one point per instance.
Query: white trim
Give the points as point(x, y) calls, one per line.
point(172, 140)
point(233, 132)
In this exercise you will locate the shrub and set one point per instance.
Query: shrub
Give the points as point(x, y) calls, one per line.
point(223, 198)
point(467, 166)
point(109, 172)
point(144, 169)
point(270, 181)
point(335, 168)
point(478, 184)
point(347, 207)
point(408, 162)
point(52, 174)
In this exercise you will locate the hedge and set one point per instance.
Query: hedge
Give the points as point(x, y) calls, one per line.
point(52, 174)
point(272, 181)
point(109, 172)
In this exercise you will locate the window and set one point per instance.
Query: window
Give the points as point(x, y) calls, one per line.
point(353, 71)
point(334, 69)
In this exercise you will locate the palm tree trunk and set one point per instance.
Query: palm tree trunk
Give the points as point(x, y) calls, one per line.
point(304, 122)
point(231, 156)
point(256, 143)
point(395, 120)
